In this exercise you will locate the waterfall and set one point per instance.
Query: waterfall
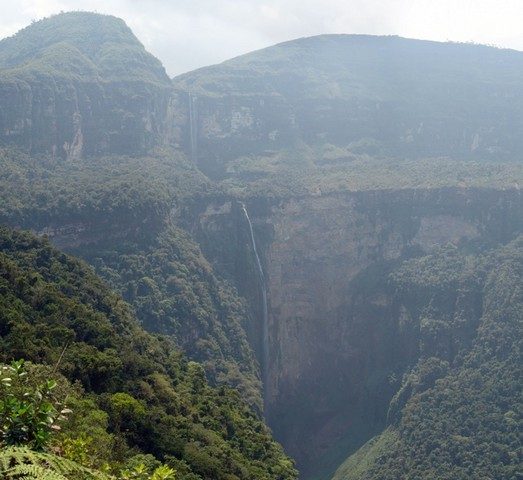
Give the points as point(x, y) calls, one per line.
point(265, 313)
point(193, 127)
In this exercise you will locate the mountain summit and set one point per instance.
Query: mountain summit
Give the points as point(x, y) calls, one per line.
point(104, 45)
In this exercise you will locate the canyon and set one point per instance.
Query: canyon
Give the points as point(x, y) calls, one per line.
point(321, 167)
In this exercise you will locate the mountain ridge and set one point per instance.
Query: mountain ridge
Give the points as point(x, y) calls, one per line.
point(354, 37)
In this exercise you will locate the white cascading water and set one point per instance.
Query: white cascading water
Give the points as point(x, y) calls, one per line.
point(265, 312)
point(193, 127)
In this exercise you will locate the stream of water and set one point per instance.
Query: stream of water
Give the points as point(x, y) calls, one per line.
point(193, 128)
point(265, 313)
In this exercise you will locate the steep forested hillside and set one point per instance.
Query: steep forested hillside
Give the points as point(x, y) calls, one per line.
point(124, 205)
point(51, 304)
point(457, 414)
point(174, 291)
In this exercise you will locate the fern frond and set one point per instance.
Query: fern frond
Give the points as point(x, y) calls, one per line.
point(20, 463)
point(32, 472)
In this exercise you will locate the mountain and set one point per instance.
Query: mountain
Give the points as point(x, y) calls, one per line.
point(330, 226)
point(80, 84)
point(384, 96)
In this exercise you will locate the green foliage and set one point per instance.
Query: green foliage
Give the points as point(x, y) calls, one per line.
point(141, 472)
point(28, 414)
point(154, 400)
point(37, 192)
point(21, 463)
point(29, 418)
point(85, 438)
point(17, 463)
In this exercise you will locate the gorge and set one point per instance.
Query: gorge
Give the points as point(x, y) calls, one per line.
point(330, 226)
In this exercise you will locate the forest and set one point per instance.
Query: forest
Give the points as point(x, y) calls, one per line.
point(133, 396)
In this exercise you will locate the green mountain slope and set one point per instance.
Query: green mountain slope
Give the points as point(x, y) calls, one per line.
point(457, 414)
point(50, 302)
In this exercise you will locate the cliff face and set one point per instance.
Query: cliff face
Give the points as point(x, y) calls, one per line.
point(338, 342)
point(81, 84)
point(69, 119)
point(214, 130)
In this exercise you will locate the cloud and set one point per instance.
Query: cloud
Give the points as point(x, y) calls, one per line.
point(187, 34)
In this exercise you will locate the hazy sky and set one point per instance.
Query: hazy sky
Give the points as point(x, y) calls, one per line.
point(187, 34)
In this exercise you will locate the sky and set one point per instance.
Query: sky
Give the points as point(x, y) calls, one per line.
point(187, 34)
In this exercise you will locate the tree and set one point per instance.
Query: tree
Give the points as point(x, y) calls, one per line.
point(28, 414)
